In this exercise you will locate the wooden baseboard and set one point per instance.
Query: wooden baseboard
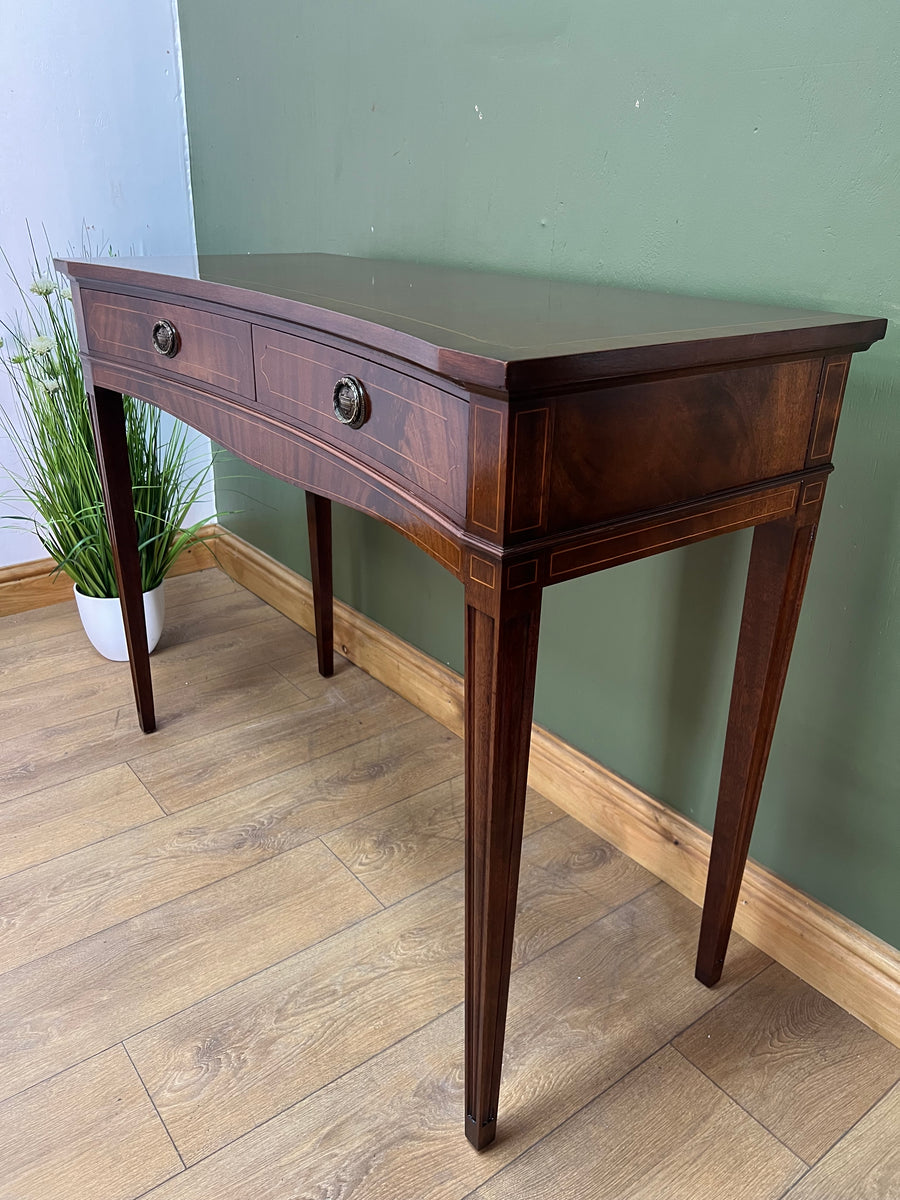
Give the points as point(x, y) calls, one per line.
point(31, 585)
point(841, 960)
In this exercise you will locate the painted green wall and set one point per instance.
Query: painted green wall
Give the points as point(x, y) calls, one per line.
point(748, 151)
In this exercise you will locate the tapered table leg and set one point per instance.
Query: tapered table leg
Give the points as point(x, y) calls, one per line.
point(779, 564)
point(501, 657)
point(318, 521)
point(108, 420)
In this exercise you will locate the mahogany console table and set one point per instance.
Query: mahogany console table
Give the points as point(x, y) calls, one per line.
point(520, 431)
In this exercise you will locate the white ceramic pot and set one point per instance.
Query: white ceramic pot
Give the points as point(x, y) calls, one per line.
point(102, 621)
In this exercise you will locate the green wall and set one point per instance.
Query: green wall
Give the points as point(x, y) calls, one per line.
point(747, 151)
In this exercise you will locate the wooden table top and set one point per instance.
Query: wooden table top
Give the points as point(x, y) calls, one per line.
point(486, 328)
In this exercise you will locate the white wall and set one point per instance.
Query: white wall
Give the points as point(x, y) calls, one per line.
point(92, 133)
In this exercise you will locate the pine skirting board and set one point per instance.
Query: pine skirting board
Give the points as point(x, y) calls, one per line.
point(843, 961)
point(31, 585)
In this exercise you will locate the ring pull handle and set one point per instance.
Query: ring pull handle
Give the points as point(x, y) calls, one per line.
point(166, 340)
point(350, 402)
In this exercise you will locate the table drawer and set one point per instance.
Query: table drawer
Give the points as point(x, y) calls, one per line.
point(416, 430)
point(212, 349)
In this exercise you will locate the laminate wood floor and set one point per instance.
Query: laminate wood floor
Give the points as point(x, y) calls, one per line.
point(231, 960)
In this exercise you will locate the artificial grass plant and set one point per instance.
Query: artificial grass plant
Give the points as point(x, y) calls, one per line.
point(52, 436)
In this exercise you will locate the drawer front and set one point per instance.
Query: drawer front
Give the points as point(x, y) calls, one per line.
point(212, 349)
point(412, 428)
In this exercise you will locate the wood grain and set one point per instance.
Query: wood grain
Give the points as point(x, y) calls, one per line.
point(256, 1048)
point(803, 1067)
point(90, 1132)
point(742, 425)
point(62, 900)
point(43, 825)
point(84, 998)
point(574, 1027)
point(865, 1164)
point(65, 751)
point(417, 841)
point(485, 328)
point(190, 652)
point(66, 900)
point(183, 657)
point(334, 789)
point(569, 879)
point(23, 661)
point(209, 615)
point(206, 766)
point(29, 660)
point(213, 349)
point(660, 1132)
point(40, 623)
point(415, 430)
point(295, 455)
point(594, 991)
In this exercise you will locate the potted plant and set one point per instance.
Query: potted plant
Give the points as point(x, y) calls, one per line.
point(58, 474)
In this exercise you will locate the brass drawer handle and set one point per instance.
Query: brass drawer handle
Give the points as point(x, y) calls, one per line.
point(351, 404)
point(166, 340)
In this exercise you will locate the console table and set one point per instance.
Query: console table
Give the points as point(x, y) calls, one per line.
point(522, 432)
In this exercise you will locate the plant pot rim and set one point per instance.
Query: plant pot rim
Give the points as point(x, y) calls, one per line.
point(86, 595)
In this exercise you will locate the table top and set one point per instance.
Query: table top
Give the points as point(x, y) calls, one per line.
point(489, 328)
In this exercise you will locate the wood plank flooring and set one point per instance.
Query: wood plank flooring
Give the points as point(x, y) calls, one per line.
point(231, 960)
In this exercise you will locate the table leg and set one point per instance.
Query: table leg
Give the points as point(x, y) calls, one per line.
point(779, 564)
point(318, 520)
point(108, 420)
point(501, 657)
